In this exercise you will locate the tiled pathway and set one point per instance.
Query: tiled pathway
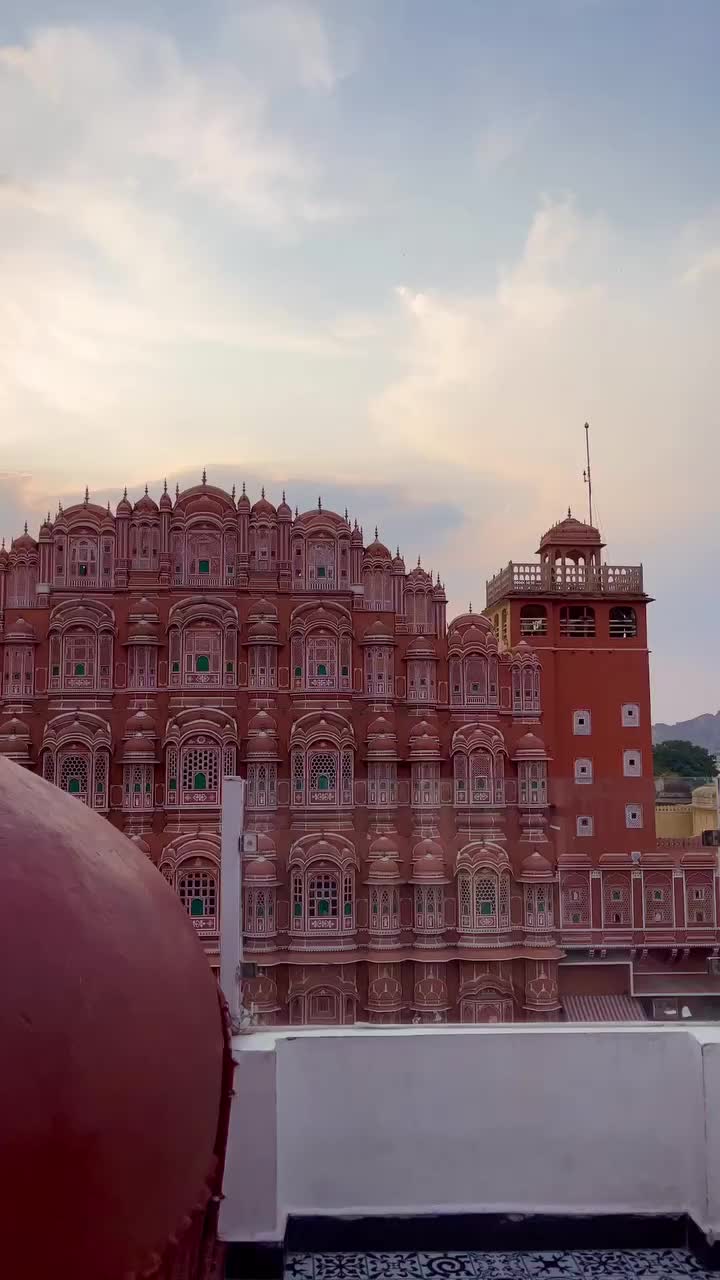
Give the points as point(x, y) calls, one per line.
point(650, 1264)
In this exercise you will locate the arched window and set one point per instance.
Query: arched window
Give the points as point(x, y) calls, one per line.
point(382, 782)
point(425, 785)
point(197, 890)
point(533, 620)
point(578, 621)
point(83, 561)
point(202, 648)
point(138, 786)
point(384, 909)
point(142, 666)
point(262, 786)
point(84, 774)
point(483, 900)
point(429, 909)
point(259, 920)
point(699, 899)
point(200, 774)
point(262, 672)
point(379, 670)
point(623, 623)
point(421, 680)
point(144, 546)
point(323, 900)
point(204, 550)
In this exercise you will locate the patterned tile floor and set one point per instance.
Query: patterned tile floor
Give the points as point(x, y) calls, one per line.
point(650, 1264)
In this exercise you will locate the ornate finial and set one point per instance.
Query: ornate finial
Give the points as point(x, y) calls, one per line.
point(397, 551)
point(60, 507)
point(108, 508)
point(3, 544)
point(125, 494)
point(469, 605)
point(418, 562)
point(243, 492)
point(48, 514)
point(25, 529)
point(204, 476)
point(262, 492)
point(177, 491)
point(319, 503)
point(376, 533)
point(232, 495)
point(165, 485)
point(87, 495)
point(146, 489)
point(346, 515)
point(569, 514)
point(283, 495)
point(296, 511)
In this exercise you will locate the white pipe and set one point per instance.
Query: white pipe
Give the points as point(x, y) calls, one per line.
point(231, 937)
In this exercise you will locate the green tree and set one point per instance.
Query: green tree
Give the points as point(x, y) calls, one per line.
point(683, 759)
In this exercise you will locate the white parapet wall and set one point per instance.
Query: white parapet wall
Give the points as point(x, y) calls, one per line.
point(417, 1120)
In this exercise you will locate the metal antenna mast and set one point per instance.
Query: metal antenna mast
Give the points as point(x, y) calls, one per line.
point(587, 475)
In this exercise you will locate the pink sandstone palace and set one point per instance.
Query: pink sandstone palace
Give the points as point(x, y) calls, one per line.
point(454, 821)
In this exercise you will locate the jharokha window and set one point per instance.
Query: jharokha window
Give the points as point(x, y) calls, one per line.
point(193, 772)
point(322, 777)
point(197, 890)
point(81, 658)
point(321, 661)
point(322, 901)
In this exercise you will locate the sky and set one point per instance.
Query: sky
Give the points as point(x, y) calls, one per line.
point(393, 252)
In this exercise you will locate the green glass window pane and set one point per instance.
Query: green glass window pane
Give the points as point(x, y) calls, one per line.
point(322, 669)
point(321, 571)
point(344, 671)
point(298, 671)
point(173, 784)
point(323, 907)
point(148, 787)
point(56, 671)
point(136, 787)
point(486, 909)
point(297, 909)
point(99, 787)
point(229, 667)
point(204, 566)
point(202, 662)
point(323, 782)
point(176, 666)
point(74, 786)
point(79, 668)
point(348, 908)
point(199, 782)
point(197, 907)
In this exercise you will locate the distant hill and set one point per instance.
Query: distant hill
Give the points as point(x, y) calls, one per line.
point(703, 731)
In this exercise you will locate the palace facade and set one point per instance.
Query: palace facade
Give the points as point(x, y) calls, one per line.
point(452, 821)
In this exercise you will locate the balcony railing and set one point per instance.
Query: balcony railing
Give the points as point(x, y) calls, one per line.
point(537, 579)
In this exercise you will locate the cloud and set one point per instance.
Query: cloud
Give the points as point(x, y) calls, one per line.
point(708, 264)
point(124, 104)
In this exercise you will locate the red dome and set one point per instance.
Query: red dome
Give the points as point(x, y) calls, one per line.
point(112, 1044)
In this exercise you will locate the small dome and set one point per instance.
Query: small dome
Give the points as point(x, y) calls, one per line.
point(14, 728)
point(398, 562)
point(422, 728)
point(243, 503)
point(529, 745)
point(4, 555)
point(467, 620)
point(383, 847)
point(144, 607)
point(426, 847)
point(262, 631)
point(421, 645)
point(384, 870)
point(146, 505)
point(380, 725)
point(429, 867)
point(140, 722)
point(262, 608)
point(138, 748)
point(124, 508)
point(262, 722)
point(20, 629)
point(382, 744)
point(262, 507)
point(535, 865)
point(570, 533)
point(284, 510)
point(377, 630)
point(24, 542)
point(165, 500)
point(377, 550)
point(262, 744)
point(265, 843)
point(143, 631)
point(260, 871)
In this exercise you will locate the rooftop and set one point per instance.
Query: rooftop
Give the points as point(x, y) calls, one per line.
point(563, 578)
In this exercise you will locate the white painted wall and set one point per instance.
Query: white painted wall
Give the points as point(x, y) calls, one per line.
point(426, 1120)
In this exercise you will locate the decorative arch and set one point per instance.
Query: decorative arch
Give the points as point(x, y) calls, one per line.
point(200, 750)
point(321, 648)
point(525, 679)
point(473, 662)
point(479, 754)
point(322, 751)
point(320, 552)
point(483, 887)
point(75, 755)
point(191, 865)
point(202, 641)
point(323, 874)
point(81, 635)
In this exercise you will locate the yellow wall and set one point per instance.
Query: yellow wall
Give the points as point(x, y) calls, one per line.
point(673, 821)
